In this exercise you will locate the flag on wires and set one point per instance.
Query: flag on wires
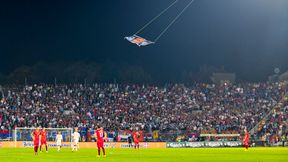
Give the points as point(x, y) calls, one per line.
point(138, 40)
point(135, 39)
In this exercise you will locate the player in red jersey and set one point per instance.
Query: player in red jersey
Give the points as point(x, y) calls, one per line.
point(43, 139)
point(100, 135)
point(246, 139)
point(136, 139)
point(36, 136)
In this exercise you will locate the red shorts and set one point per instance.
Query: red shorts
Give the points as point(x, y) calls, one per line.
point(136, 142)
point(245, 143)
point(100, 144)
point(36, 143)
point(43, 142)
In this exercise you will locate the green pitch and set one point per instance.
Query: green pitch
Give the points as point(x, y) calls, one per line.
point(149, 155)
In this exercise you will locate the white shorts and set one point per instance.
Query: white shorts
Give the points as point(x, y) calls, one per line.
point(75, 142)
point(58, 143)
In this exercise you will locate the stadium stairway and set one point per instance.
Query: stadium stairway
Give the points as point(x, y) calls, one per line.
point(264, 120)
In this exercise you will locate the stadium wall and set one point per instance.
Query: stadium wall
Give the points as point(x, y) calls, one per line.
point(203, 144)
point(29, 144)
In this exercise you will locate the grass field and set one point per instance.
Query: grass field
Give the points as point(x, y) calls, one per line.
point(149, 155)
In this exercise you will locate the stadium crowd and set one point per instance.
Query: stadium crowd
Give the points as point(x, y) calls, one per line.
point(275, 128)
point(174, 108)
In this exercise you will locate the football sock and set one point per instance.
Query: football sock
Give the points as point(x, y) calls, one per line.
point(36, 148)
point(103, 151)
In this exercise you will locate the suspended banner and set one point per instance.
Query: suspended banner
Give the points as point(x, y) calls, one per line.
point(139, 41)
point(135, 39)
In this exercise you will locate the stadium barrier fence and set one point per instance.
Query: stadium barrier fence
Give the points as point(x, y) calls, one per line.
point(203, 144)
point(29, 144)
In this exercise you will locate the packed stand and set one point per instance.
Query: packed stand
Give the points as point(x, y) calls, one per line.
point(275, 128)
point(172, 109)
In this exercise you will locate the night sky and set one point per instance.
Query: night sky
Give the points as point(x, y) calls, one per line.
point(249, 37)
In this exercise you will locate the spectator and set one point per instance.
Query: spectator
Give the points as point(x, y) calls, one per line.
point(172, 109)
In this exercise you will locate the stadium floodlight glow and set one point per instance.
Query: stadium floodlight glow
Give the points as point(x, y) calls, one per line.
point(24, 134)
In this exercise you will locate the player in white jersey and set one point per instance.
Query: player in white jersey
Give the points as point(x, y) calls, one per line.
point(59, 139)
point(76, 138)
